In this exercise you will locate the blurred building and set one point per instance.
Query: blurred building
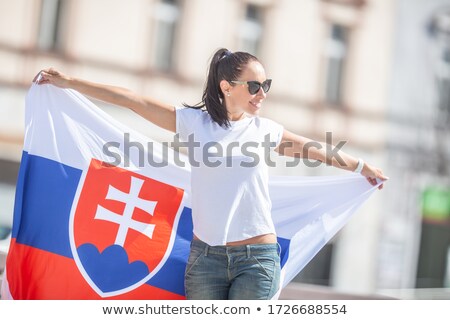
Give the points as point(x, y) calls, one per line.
point(415, 246)
point(374, 73)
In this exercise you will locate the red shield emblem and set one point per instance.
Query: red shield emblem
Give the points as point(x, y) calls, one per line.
point(122, 227)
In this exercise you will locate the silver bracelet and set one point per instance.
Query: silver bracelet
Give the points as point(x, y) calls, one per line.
point(360, 166)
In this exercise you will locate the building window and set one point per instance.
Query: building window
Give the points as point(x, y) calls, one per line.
point(251, 29)
point(443, 83)
point(50, 25)
point(167, 15)
point(335, 53)
point(438, 29)
point(318, 270)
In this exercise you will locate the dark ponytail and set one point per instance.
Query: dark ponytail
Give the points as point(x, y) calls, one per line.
point(224, 65)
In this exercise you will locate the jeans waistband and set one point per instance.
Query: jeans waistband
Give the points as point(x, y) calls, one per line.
point(248, 249)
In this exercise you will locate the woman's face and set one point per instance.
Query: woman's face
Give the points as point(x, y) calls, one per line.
point(237, 97)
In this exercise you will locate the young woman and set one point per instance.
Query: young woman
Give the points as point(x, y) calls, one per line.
point(234, 253)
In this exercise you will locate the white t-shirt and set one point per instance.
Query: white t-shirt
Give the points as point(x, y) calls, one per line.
point(229, 179)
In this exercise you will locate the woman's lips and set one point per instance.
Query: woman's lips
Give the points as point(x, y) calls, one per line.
point(256, 105)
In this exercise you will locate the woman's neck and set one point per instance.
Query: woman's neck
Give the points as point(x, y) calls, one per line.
point(236, 116)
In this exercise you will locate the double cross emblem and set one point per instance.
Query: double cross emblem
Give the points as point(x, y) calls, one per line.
point(125, 220)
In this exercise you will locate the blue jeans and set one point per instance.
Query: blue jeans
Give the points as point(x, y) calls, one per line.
point(247, 272)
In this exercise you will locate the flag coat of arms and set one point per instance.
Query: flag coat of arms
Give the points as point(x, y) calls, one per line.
point(89, 227)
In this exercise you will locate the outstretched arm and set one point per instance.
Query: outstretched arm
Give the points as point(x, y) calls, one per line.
point(154, 111)
point(297, 146)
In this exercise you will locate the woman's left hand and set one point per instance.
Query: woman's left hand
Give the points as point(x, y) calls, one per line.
point(372, 174)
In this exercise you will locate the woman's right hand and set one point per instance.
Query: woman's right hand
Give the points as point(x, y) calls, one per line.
point(52, 76)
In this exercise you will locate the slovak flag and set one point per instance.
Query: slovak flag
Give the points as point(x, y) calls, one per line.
point(87, 228)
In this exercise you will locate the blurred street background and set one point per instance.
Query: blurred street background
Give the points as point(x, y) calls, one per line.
point(374, 73)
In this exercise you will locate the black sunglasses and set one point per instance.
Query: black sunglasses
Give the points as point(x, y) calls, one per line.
point(254, 86)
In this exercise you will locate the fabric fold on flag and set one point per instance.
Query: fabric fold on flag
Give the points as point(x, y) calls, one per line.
point(103, 212)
